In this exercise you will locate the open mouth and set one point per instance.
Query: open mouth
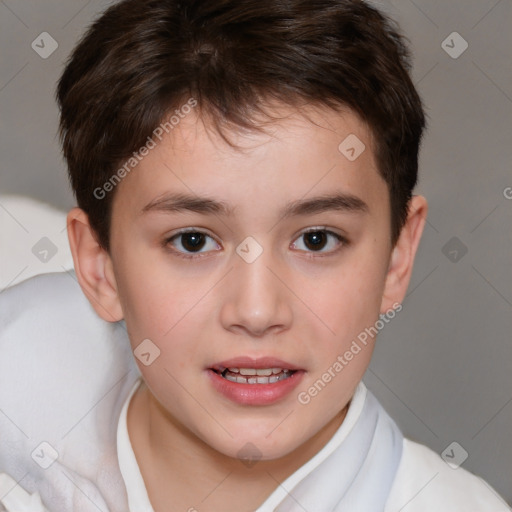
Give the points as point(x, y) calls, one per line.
point(255, 375)
point(255, 381)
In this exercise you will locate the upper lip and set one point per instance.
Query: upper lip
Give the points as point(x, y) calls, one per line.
point(256, 363)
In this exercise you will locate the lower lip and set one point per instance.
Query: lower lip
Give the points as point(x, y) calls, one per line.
point(255, 394)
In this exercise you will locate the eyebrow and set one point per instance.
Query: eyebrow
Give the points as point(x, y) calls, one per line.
point(179, 202)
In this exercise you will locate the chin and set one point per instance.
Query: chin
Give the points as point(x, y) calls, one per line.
point(257, 447)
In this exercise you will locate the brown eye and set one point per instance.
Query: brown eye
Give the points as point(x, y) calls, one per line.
point(188, 244)
point(316, 240)
point(192, 241)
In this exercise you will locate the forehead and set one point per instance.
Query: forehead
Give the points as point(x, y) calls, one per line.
point(301, 153)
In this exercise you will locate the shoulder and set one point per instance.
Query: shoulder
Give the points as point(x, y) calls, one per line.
point(50, 311)
point(42, 298)
point(48, 327)
point(51, 337)
point(64, 372)
point(425, 482)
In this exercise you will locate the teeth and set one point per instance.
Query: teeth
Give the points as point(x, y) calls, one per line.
point(264, 372)
point(241, 378)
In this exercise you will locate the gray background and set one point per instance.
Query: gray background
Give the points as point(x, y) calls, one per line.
point(443, 367)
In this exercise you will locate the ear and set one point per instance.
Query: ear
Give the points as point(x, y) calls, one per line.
point(93, 267)
point(402, 256)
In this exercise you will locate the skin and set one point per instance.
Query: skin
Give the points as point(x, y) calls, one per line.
point(293, 302)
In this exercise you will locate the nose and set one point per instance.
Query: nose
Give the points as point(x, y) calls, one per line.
point(256, 302)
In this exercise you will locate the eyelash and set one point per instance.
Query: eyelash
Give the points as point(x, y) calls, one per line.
point(310, 254)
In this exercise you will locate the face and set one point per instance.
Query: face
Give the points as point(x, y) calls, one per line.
point(272, 257)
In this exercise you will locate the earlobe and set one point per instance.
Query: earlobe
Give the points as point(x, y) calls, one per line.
point(403, 254)
point(93, 267)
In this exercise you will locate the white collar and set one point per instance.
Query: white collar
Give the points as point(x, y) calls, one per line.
point(138, 499)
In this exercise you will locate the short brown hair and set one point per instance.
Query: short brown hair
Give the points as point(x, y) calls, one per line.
point(142, 58)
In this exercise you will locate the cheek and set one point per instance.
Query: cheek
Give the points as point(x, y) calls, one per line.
point(348, 300)
point(167, 309)
point(151, 303)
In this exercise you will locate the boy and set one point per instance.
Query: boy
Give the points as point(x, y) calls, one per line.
point(244, 174)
